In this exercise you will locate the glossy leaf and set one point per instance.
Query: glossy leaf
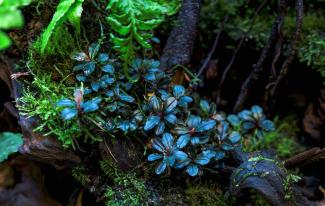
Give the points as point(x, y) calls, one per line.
point(192, 170)
point(171, 118)
point(178, 91)
point(170, 104)
point(154, 157)
point(66, 103)
point(161, 168)
point(206, 125)
point(151, 122)
point(69, 113)
point(180, 155)
point(168, 140)
point(182, 141)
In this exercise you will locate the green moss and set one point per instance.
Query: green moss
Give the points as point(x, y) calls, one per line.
point(78, 173)
point(39, 100)
point(207, 195)
point(127, 189)
point(287, 184)
point(283, 139)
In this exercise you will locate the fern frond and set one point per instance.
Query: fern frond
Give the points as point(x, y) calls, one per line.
point(133, 22)
point(67, 10)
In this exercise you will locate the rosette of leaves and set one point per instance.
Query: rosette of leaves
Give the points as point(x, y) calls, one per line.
point(225, 138)
point(169, 152)
point(162, 113)
point(11, 18)
point(117, 98)
point(255, 122)
point(133, 21)
point(96, 68)
point(131, 124)
point(78, 106)
point(146, 72)
point(220, 140)
point(194, 130)
point(178, 92)
point(194, 165)
point(9, 143)
point(210, 110)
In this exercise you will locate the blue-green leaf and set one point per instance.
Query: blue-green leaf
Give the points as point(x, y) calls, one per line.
point(161, 168)
point(89, 68)
point(154, 104)
point(205, 107)
point(234, 137)
point(206, 125)
point(178, 91)
point(160, 128)
point(180, 155)
point(91, 105)
point(182, 141)
point(151, 122)
point(168, 140)
point(155, 156)
point(69, 113)
point(108, 69)
point(126, 98)
point(171, 118)
point(268, 125)
point(192, 170)
point(66, 103)
point(170, 104)
point(202, 159)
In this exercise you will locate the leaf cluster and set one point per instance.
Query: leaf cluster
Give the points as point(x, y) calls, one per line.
point(188, 133)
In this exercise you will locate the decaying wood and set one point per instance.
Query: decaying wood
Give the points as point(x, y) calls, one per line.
point(180, 43)
point(44, 149)
point(267, 177)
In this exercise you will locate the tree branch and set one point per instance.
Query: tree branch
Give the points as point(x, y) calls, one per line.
point(180, 43)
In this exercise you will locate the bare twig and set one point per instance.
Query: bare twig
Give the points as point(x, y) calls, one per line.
point(305, 158)
point(258, 67)
point(240, 43)
point(214, 46)
point(292, 47)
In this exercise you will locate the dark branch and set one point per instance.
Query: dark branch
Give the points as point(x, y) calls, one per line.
point(180, 43)
point(258, 67)
point(240, 44)
point(292, 47)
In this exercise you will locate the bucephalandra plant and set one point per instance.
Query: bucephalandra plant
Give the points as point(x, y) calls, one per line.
point(185, 133)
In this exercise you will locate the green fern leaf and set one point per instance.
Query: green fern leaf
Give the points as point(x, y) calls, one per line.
point(70, 10)
point(9, 143)
point(133, 22)
point(10, 17)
